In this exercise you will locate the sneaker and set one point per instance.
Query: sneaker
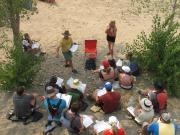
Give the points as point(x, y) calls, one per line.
point(74, 71)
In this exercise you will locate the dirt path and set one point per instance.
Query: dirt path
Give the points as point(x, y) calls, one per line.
point(86, 19)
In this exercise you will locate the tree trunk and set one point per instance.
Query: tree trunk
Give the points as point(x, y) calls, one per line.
point(14, 21)
point(174, 6)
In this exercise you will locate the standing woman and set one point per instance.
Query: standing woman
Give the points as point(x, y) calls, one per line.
point(111, 36)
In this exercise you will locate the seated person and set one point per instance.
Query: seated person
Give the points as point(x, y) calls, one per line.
point(164, 126)
point(110, 101)
point(72, 114)
point(52, 82)
point(126, 80)
point(116, 128)
point(30, 45)
point(158, 96)
point(133, 64)
point(77, 95)
point(54, 106)
point(107, 73)
point(24, 103)
point(144, 111)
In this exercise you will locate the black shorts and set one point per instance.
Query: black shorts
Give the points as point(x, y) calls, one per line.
point(110, 39)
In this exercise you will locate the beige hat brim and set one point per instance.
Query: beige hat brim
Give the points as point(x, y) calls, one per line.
point(144, 107)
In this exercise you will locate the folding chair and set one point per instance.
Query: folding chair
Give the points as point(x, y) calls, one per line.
point(90, 48)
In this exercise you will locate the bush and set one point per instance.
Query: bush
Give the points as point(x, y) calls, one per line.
point(19, 69)
point(159, 52)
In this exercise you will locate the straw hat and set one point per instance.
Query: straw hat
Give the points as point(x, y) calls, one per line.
point(66, 33)
point(146, 104)
point(75, 84)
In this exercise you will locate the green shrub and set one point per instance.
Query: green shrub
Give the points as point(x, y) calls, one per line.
point(19, 69)
point(159, 52)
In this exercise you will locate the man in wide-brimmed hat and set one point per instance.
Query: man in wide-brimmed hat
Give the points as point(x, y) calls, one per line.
point(144, 111)
point(65, 45)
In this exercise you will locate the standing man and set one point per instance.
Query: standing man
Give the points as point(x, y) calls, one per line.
point(65, 44)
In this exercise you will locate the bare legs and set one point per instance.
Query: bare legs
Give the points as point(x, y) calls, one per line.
point(110, 46)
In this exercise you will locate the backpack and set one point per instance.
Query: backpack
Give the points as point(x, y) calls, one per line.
point(90, 64)
point(53, 109)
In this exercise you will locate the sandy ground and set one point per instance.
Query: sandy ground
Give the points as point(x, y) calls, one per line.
point(85, 19)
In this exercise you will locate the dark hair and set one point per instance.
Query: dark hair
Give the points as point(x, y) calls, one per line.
point(75, 107)
point(158, 85)
point(112, 63)
point(129, 55)
point(53, 79)
point(20, 90)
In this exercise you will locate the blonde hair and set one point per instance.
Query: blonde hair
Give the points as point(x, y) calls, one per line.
point(114, 128)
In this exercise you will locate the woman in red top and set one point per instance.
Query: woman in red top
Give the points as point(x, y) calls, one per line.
point(116, 128)
point(111, 36)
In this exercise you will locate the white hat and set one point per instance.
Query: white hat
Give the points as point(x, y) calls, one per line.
point(112, 119)
point(166, 117)
point(146, 104)
point(126, 69)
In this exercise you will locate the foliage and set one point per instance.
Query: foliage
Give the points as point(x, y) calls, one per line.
point(159, 52)
point(158, 6)
point(20, 68)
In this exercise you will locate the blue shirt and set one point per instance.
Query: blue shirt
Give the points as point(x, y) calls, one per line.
point(154, 129)
point(55, 101)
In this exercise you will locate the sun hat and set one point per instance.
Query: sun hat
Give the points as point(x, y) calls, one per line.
point(146, 104)
point(105, 64)
point(50, 91)
point(108, 86)
point(75, 84)
point(166, 117)
point(112, 119)
point(126, 69)
point(66, 33)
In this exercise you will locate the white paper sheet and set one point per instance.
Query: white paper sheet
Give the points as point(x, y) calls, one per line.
point(66, 97)
point(59, 81)
point(87, 121)
point(74, 48)
point(101, 92)
point(131, 110)
point(101, 126)
point(119, 63)
point(35, 45)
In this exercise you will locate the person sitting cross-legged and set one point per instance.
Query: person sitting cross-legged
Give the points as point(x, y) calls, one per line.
point(126, 80)
point(54, 106)
point(110, 101)
point(24, 103)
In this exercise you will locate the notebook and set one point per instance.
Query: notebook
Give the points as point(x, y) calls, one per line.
point(59, 81)
point(66, 97)
point(74, 47)
point(87, 121)
point(131, 111)
point(101, 126)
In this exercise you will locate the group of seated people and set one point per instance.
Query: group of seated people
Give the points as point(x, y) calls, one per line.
point(152, 101)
